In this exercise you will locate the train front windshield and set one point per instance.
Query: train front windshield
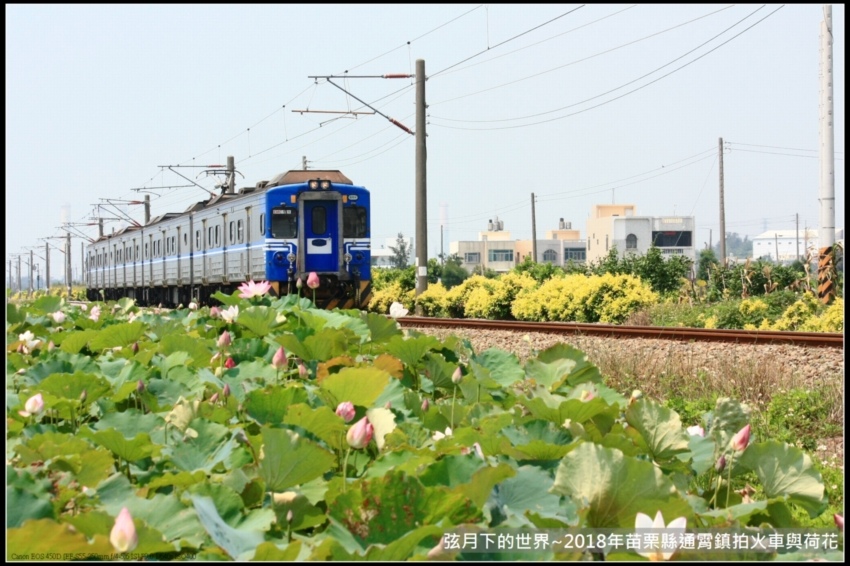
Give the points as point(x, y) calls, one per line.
point(284, 222)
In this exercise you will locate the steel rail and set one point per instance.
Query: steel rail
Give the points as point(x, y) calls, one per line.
point(760, 337)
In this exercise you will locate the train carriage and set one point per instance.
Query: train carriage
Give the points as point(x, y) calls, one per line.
point(300, 222)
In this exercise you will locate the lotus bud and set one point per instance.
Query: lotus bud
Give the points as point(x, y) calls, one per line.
point(224, 340)
point(226, 390)
point(279, 359)
point(299, 284)
point(140, 386)
point(636, 394)
point(388, 405)
point(229, 363)
point(123, 536)
point(83, 396)
point(839, 521)
point(59, 317)
point(586, 396)
point(425, 405)
point(741, 439)
point(215, 312)
point(313, 280)
point(135, 347)
point(51, 346)
point(33, 406)
point(696, 430)
point(457, 376)
point(720, 465)
point(193, 306)
point(345, 410)
point(289, 516)
point(215, 358)
point(360, 434)
point(302, 370)
point(214, 398)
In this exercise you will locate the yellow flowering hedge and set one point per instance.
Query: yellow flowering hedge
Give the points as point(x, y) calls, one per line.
point(433, 300)
point(603, 298)
point(831, 320)
point(392, 293)
point(798, 313)
point(457, 296)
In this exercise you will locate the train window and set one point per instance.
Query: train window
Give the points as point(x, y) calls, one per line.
point(137, 251)
point(631, 242)
point(232, 233)
point(209, 237)
point(240, 235)
point(354, 222)
point(147, 255)
point(174, 244)
point(262, 224)
point(284, 222)
point(217, 240)
point(320, 224)
point(186, 239)
point(197, 239)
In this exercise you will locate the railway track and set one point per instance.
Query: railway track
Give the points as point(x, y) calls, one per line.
point(760, 337)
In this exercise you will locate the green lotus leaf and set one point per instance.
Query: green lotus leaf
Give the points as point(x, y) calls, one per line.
point(117, 336)
point(258, 319)
point(269, 405)
point(75, 341)
point(47, 304)
point(321, 422)
point(786, 472)
point(239, 543)
point(660, 427)
point(515, 499)
point(381, 328)
point(199, 354)
point(614, 488)
point(289, 460)
point(270, 552)
point(320, 347)
point(361, 386)
point(204, 451)
point(385, 509)
point(42, 536)
point(504, 367)
point(26, 498)
point(130, 423)
point(559, 364)
point(305, 515)
point(129, 450)
point(97, 524)
point(411, 350)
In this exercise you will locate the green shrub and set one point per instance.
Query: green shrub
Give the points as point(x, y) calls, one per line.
point(433, 300)
point(800, 417)
point(457, 296)
point(392, 293)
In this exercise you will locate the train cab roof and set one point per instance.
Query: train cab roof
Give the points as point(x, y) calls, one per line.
point(304, 175)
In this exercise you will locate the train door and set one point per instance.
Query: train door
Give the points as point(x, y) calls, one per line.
point(321, 233)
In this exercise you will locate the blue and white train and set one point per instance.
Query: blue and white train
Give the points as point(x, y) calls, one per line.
point(279, 231)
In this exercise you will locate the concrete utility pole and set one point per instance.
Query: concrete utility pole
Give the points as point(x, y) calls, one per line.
point(826, 236)
point(68, 281)
point(421, 185)
point(31, 264)
point(722, 210)
point(533, 232)
point(19, 273)
point(147, 209)
point(797, 216)
point(47, 267)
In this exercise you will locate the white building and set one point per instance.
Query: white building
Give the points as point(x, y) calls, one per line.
point(382, 256)
point(616, 225)
point(786, 246)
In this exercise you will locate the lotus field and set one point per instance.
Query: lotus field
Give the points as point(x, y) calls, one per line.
point(267, 429)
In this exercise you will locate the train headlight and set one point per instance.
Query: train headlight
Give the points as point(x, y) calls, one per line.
point(325, 185)
point(359, 256)
point(347, 257)
point(278, 257)
point(291, 258)
point(313, 185)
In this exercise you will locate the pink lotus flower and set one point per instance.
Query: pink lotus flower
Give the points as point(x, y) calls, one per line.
point(696, 430)
point(313, 280)
point(58, 317)
point(215, 312)
point(839, 521)
point(251, 289)
point(279, 358)
point(95, 313)
point(676, 527)
point(360, 434)
point(224, 340)
point(229, 314)
point(741, 439)
point(30, 342)
point(193, 306)
point(229, 363)
point(586, 396)
point(345, 410)
point(457, 376)
point(33, 406)
point(123, 536)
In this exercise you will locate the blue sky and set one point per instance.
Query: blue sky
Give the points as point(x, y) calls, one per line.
point(578, 104)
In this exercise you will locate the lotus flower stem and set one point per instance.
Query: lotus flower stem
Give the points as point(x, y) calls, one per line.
point(345, 470)
point(454, 391)
point(729, 481)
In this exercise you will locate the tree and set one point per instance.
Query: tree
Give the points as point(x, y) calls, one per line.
point(401, 252)
point(707, 260)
